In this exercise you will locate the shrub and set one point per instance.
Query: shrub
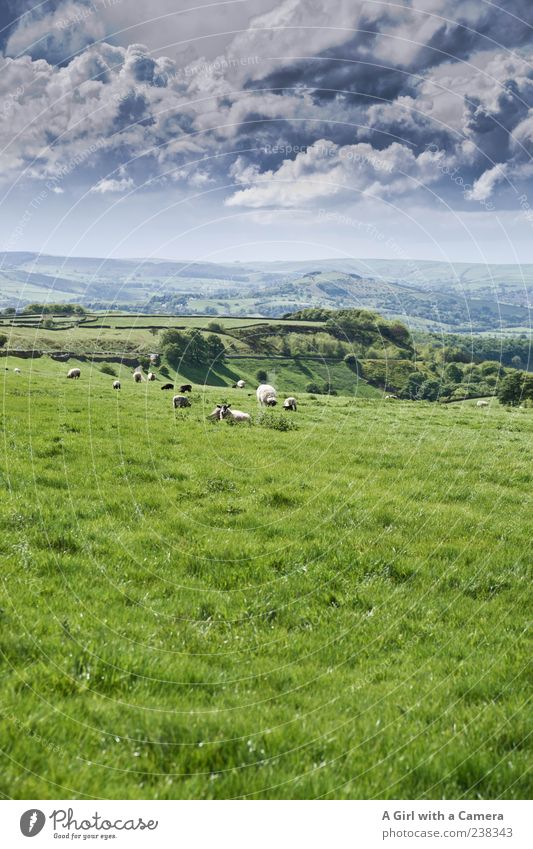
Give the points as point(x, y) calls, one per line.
point(275, 422)
point(107, 369)
point(164, 371)
point(314, 388)
point(3, 339)
point(261, 375)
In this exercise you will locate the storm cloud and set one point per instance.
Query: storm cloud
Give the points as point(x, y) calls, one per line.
point(397, 94)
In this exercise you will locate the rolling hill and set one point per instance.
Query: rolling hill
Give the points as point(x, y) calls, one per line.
point(426, 295)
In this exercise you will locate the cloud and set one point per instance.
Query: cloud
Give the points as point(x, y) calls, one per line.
point(113, 186)
point(386, 89)
point(326, 170)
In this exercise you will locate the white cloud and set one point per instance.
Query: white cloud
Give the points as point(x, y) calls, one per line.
point(326, 170)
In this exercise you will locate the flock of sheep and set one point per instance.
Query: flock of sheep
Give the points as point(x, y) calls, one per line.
point(266, 396)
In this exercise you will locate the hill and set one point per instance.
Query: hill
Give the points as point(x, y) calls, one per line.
point(346, 352)
point(186, 604)
point(457, 297)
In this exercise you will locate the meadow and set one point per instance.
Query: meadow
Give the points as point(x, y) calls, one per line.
point(331, 605)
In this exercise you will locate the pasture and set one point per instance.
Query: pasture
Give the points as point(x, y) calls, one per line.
point(329, 604)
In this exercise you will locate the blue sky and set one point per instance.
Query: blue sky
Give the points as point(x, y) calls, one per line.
point(259, 129)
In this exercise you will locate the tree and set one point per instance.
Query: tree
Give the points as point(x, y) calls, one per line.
point(430, 390)
point(261, 375)
point(516, 362)
point(453, 373)
point(515, 388)
point(215, 347)
point(314, 388)
point(353, 363)
point(3, 339)
point(412, 387)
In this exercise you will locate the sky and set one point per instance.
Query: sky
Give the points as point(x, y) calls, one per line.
point(260, 129)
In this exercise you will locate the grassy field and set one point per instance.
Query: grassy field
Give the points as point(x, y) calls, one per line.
point(195, 610)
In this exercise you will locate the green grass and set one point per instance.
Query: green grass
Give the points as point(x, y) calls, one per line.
point(194, 610)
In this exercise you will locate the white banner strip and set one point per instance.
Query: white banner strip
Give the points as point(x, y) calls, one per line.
point(268, 824)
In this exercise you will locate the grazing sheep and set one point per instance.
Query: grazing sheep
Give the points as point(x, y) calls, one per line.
point(16, 370)
point(290, 404)
point(482, 403)
point(390, 397)
point(74, 374)
point(137, 377)
point(240, 384)
point(151, 376)
point(233, 415)
point(167, 386)
point(266, 395)
point(179, 401)
point(186, 387)
point(116, 384)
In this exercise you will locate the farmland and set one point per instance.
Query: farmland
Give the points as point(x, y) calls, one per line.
point(330, 605)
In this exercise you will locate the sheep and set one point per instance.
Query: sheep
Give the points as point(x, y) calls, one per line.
point(137, 377)
point(240, 384)
point(151, 376)
point(233, 415)
point(186, 387)
point(116, 384)
point(16, 370)
point(179, 401)
point(167, 386)
point(290, 404)
point(266, 395)
point(482, 403)
point(74, 374)
point(215, 414)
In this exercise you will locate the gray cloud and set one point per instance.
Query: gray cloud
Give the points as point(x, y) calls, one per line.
point(384, 89)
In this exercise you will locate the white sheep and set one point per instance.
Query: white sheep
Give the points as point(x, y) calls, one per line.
point(74, 373)
point(290, 404)
point(16, 370)
point(116, 384)
point(151, 376)
point(240, 384)
point(266, 395)
point(482, 403)
point(138, 377)
point(233, 415)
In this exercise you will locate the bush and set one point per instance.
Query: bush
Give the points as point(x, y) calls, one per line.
point(353, 364)
point(164, 371)
point(3, 339)
point(261, 375)
point(107, 369)
point(215, 327)
point(314, 388)
point(275, 422)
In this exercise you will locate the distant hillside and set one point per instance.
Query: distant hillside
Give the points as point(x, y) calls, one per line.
point(426, 295)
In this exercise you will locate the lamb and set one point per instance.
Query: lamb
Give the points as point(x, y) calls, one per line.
point(482, 403)
point(266, 395)
point(233, 415)
point(74, 374)
point(240, 384)
point(179, 401)
point(290, 404)
point(16, 370)
point(167, 386)
point(116, 384)
point(151, 376)
point(186, 387)
point(137, 377)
